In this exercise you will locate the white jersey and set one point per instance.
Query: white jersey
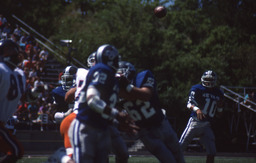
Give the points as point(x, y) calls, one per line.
point(12, 86)
point(80, 83)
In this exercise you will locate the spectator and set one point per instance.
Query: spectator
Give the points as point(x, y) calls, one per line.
point(7, 29)
point(30, 50)
point(23, 40)
point(30, 39)
point(39, 68)
point(43, 117)
point(22, 112)
point(38, 83)
point(44, 54)
point(37, 48)
point(36, 57)
point(33, 112)
point(17, 31)
point(249, 96)
point(26, 72)
point(3, 21)
point(15, 38)
point(33, 74)
point(28, 63)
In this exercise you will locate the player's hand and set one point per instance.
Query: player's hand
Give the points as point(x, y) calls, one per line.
point(127, 124)
point(200, 114)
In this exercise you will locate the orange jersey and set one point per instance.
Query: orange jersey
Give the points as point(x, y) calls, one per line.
point(64, 126)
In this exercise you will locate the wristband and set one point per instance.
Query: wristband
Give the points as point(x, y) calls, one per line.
point(129, 87)
point(112, 115)
point(195, 108)
point(114, 112)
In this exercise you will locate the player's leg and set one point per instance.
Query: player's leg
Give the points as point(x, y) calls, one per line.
point(118, 146)
point(77, 140)
point(65, 124)
point(10, 146)
point(189, 133)
point(59, 156)
point(208, 139)
point(172, 142)
point(153, 140)
point(90, 144)
point(103, 145)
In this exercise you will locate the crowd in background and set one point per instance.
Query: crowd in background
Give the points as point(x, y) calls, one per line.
point(32, 112)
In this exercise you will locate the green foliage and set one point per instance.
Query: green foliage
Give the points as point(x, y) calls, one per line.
point(193, 37)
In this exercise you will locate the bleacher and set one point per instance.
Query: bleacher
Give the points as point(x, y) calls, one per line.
point(53, 69)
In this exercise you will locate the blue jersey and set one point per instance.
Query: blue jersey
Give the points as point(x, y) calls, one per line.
point(102, 77)
point(206, 99)
point(145, 113)
point(58, 95)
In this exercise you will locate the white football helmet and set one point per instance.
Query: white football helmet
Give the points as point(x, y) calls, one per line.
point(209, 79)
point(68, 79)
point(91, 60)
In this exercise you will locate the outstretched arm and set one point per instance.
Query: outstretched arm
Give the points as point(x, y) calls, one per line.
point(143, 93)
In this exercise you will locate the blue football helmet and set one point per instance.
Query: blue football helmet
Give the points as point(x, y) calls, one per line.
point(9, 53)
point(126, 69)
point(68, 79)
point(91, 60)
point(209, 79)
point(108, 54)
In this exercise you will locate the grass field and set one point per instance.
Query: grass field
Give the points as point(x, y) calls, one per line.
point(149, 159)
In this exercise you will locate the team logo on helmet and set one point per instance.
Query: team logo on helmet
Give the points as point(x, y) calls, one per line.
point(108, 54)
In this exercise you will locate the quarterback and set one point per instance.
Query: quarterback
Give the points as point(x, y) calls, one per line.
point(204, 100)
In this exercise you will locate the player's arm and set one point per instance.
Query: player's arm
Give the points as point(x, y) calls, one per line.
point(70, 95)
point(134, 93)
point(191, 105)
point(130, 92)
point(196, 109)
point(97, 104)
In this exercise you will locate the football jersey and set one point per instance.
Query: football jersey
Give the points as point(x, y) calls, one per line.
point(80, 84)
point(58, 95)
point(145, 113)
point(12, 86)
point(102, 77)
point(206, 99)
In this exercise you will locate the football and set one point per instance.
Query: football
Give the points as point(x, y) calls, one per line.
point(160, 11)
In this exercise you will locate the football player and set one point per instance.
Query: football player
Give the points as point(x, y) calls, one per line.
point(68, 80)
point(118, 145)
point(12, 86)
point(64, 112)
point(89, 132)
point(70, 96)
point(140, 100)
point(204, 99)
